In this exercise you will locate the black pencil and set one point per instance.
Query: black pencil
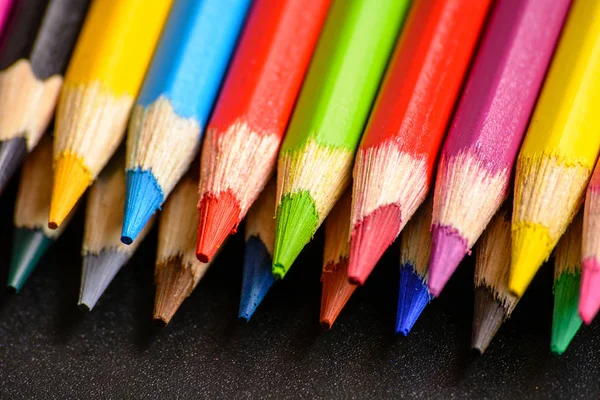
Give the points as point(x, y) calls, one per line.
point(34, 52)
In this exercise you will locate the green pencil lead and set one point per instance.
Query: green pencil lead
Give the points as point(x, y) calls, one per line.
point(297, 222)
point(565, 319)
point(29, 246)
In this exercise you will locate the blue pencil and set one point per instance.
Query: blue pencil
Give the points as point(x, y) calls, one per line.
point(175, 102)
point(258, 259)
point(415, 245)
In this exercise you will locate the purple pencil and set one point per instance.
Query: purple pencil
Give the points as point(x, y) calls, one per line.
point(477, 160)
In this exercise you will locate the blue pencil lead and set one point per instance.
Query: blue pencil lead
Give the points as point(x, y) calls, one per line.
point(143, 198)
point(413, 296)
point(257, 279)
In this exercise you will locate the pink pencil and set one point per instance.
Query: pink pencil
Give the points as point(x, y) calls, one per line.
point(477, 160)
point(589, 298)
point(5, 6)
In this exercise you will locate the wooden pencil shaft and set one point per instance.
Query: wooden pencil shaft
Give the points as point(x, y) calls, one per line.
point(260, 220)
point(415, 239)
point(568, 249)
point(337, 224)
point(35, 189)
point(104, 212)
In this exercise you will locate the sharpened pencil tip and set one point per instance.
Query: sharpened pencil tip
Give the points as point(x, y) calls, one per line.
point(29, 246)
point(97, 273)
point(71, 179)
point(369, 240)
point(336, 291)
point(296, 222)
point(257, 277)
point(448, 249)
point(12, 154)
point(531, 246)
point(143, 198)
point(589, 299)
point(84, 307)
point(488, 316)
point(565, 318)
point(174, 283)
point(219, 218)
point(413, 297)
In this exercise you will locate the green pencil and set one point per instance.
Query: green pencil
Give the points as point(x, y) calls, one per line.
point(316, 156)
point(567, 276)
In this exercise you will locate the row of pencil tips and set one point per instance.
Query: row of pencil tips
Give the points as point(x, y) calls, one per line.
point(388, 100)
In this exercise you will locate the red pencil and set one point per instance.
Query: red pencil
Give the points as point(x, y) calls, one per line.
point(252, 112)
point(395, 161)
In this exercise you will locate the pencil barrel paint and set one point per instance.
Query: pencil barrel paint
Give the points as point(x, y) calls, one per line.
point(175, 101)
point(395, 161)
point(103, 77)
point(253, 111)
point(316, 155)
point(560, 148)
point(478, 157)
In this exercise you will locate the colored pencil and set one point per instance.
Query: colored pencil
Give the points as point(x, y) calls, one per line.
point(567, 276)
point(476, 163)
point(177, 270)
point(175, 101)
point(102, 80)
point(253, 110)
point(494, 303)
point(34, 53)
point(103, 253)
point(589, 298)
point(32, 238)
point(258, 256)
point(336, 287)
point(5, 9)
point(560, 148)
point(395, 161)
point(415, 245)
point(318, 150)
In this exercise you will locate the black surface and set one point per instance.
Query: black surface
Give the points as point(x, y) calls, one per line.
point(48, 348)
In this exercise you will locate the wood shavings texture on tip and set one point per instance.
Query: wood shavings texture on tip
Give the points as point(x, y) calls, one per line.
point(240, 160)
point(568, 249)
point(260, 220)
point(26, 103)
point(591, 225)
point(177, 231)
point(548, 192)
point(90, 123)
point(35, 190)
point(492, 260)
point(467, 195)
point(384, 175)
point(337, 225)
point(415, 239)
point(322, 171)
point(162, 142)
point(104, 215)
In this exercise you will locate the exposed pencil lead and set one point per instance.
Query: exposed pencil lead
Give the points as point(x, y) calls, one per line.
point(98, 272)
point(143, 199)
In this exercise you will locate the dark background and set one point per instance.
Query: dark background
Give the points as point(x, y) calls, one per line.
point(48, 348)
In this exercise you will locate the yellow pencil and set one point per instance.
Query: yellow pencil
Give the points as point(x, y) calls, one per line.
point(560, 148)
point(102, 81)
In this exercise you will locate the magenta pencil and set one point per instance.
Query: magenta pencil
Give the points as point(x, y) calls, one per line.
point(477, 160)
point(589, 298)
point(5, 6)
